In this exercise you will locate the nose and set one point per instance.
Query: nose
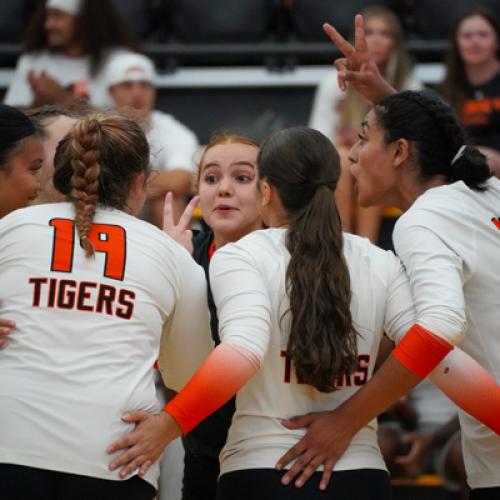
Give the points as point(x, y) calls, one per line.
point(225, 187)
point(352, 156)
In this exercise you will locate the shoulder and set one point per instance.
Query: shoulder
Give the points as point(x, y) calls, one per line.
point(29, 59)
point(436, 205)
point(366, 259)
point(261, 246)
point(163, 122)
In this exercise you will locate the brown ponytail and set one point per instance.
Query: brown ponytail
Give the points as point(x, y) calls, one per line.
point(304, 167)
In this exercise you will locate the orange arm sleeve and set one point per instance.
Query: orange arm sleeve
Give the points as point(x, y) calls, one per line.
point(421, 351)
point(217, 380)
point(470, 387)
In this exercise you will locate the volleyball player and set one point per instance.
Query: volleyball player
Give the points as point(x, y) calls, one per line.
point(21, 157)
point(412, 152)
point(90, 288)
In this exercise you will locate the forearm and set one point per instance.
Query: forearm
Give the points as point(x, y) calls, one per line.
point(470, 387)
point(217, 380)
point(416, 355)
point(391, 382)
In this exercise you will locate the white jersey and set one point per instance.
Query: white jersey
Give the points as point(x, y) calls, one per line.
point(73, 73)
point(172, 144)
point(248, 284)
point(449, 241)
point(88, 332)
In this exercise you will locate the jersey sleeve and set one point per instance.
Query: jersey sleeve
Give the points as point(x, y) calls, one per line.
point(242, 301)
point(436, 276)
point(19, 92)
point(186, 339)
point(399, 307)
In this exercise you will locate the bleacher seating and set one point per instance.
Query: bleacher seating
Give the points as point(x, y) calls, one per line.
point(307, 16)
point(221, 20)
point(252, 32)
point(143, 15)
point(435, 19)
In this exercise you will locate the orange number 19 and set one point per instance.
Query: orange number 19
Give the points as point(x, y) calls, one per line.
point(108, 239)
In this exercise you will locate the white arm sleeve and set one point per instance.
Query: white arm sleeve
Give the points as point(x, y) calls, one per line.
point(242, 301)
point(399, 308)
point(436, 277)
point(19, 92)
point(186, 339)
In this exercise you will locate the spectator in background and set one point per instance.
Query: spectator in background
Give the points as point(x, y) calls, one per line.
point(130, 79)
point(338, 115)
point(67, 46)
point(472, 82)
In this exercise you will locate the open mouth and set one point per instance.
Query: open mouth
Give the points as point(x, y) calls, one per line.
point(224, 209)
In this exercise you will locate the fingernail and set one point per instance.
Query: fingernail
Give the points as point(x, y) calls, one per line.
point(125, 416)
point(279, 467)
point(285, 480)
point(299, 483)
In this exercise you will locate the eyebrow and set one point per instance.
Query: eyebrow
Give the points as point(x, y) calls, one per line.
point(241, 163)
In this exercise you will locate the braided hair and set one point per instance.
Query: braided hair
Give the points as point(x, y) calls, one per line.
point(96, 163)
point(425, 120)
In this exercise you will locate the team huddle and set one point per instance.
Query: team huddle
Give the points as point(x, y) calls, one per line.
point(274, 305)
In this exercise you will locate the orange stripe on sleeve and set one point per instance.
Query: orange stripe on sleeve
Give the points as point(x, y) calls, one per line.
point(421, 351)
point(470, 387)
point(217, 380)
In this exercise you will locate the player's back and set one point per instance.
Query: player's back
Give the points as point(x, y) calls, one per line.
point(87, 335)
point(380, 301)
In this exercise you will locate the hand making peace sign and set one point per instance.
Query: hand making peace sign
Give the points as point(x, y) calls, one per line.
point(357, 66)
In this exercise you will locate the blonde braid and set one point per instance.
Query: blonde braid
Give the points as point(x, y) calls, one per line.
point(85, 155)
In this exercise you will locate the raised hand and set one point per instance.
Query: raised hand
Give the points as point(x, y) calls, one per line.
point(357, 66)
point(181, 231)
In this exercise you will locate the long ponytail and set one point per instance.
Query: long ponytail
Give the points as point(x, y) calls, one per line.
point(304, 167)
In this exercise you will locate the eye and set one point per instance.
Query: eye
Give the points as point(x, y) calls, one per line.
point(210, 178)
point(361, 138)
point(35, 168)
point(244, 178)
